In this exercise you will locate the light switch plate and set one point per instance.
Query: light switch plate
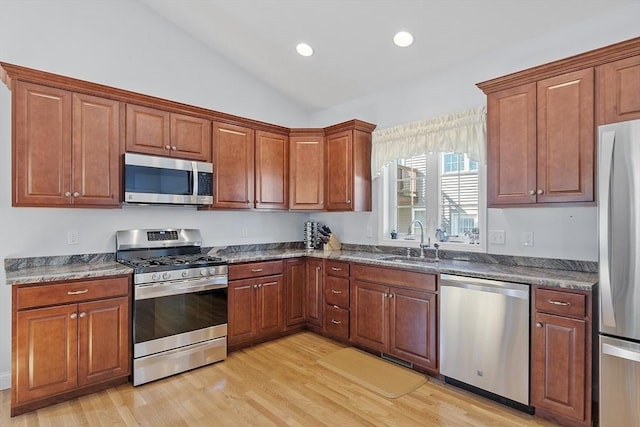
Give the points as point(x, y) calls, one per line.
point(527, 238)
point(72, 237)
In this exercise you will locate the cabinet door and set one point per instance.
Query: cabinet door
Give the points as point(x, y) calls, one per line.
point(272, 171)
point(566, 138)
point(295, 295)
point(370, 315)
point(233, 148)
point(511, 146)
point(190, 137)
point(242, 311)
point(558, 365)
point(339, 167)
point(619, 90)
point(306, 173)
point(413, 327)
point(314, 292)
point(96, 151)
point(103, 340)
point(148, 131)
point(42, 146)
point(46, 352)
point(270, 313)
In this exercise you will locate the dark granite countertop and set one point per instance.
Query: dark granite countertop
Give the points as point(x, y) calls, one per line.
point(50, 273)
point(528, 275)
point(92, 266)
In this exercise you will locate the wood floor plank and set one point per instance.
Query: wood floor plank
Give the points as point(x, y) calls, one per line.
point(278, 383)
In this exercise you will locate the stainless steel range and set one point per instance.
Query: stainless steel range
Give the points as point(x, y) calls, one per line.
point(180, 302)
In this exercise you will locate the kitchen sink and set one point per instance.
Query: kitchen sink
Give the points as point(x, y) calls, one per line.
point(409, 260)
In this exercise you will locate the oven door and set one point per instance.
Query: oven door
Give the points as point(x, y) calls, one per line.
point(170, 315)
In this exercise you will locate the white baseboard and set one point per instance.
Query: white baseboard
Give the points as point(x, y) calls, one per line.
point(5, 380)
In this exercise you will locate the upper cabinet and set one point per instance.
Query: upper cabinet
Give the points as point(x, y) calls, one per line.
point(251, 168)
point(306, 169)
point(619, 90)
point(540, 141)
point(233, 152)
point(161, 133)
point(272, 170)
point(348, 166)
point(541, 124)
point(66, 148)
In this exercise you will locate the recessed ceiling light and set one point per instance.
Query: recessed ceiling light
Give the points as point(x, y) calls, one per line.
point(304, 49)
point(403, 39)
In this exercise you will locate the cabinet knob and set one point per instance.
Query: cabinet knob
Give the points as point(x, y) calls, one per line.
point(540, 191)
point(349, 201)
point(83, 314)
point(76, 194)
point(67, 194)
point(532, 192)
point(73, 315)
point(173, 148)
point(390, 295)
point(538, 325)
point(167, 147)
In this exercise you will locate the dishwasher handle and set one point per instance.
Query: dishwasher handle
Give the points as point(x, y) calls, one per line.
point(515, 290)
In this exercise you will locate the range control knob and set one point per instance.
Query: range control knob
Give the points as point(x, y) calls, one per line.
point(155, 277)
point(166, 276)
point(185, 273)
point(203, 272)
point(212, 271)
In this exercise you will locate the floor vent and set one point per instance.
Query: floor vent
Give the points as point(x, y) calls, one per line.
point(396, 360)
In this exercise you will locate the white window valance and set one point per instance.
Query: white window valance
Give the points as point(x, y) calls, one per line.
point(464, 132)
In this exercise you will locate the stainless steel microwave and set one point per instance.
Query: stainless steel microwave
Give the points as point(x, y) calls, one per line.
point(164, 180)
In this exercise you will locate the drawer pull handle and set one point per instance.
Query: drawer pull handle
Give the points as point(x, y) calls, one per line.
point(335, 306)
point(333, 291)
point(81, 291)
point(336, 322)
point(336, 268)
point(564, 304)
point(256, 270)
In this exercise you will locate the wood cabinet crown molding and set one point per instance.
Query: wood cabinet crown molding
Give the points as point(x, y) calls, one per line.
point(581, 61)
point(9, 73)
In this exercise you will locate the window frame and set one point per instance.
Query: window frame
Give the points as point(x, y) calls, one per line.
point(387, 193)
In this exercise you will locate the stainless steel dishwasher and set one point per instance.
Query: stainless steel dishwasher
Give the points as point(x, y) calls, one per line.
point(484, 337)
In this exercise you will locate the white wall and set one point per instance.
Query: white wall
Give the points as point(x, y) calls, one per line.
point(124, 44)
point(559, 232)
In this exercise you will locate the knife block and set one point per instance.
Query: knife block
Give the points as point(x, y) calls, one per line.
point(333, 244)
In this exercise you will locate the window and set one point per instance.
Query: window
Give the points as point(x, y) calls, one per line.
point(442, 190)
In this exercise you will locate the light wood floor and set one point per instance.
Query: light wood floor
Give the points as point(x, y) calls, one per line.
point(277, 383)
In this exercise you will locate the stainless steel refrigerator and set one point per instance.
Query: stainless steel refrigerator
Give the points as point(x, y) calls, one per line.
point(619, 281)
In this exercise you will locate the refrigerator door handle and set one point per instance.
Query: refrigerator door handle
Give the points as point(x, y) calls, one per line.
point(620, 352)
point(604, 188)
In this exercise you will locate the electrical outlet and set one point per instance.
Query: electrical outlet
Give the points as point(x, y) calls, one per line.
point(527, 238)
point(72, 237)
point(497, 237)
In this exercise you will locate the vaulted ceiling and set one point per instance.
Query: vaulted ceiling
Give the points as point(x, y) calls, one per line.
point(352, 39)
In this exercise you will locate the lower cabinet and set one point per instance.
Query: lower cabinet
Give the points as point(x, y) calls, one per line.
point(256, 307)
point(561, 356)
point(69, 337)
point(389, 318)
point(295, 307)
point(314, 283)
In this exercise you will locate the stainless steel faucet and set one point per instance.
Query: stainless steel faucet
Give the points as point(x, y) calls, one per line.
point(422, 245)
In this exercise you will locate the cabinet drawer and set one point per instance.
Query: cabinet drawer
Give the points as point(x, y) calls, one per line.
point(70, 292)
point(336, 321)
point(559, 302)
point(336, 291)
point(337, 268)
point(405, 279)
point(255, 269)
